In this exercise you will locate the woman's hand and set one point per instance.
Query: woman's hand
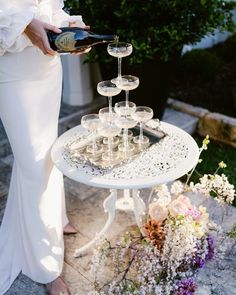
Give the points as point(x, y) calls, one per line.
point(36, 32)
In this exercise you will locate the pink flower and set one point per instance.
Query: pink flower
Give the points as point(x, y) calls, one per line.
point(186, 201)
point(158, 211)
point(194, 213)
point(180, 206)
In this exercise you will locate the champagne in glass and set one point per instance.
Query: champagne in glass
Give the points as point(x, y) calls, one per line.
point(142, 115)
point(127, 83)
point(119, 50)
point(109, 89)
point(105, 115)
point(125, 122)
point(109, 129)
point(92, 122)
point(124, 108)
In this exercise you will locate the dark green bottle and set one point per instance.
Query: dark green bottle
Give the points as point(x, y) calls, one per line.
point(73, 39)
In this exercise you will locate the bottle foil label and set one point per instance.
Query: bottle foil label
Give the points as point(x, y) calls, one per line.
point(66, 41)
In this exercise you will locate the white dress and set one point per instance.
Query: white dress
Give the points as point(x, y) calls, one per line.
point(31, 234)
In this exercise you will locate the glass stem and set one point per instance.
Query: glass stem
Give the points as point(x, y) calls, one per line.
point(126, 98)
point(110, 104)
point(94, 143)
point(110, 147)
point(125, 138)
point(119, 68)
point(141, 133)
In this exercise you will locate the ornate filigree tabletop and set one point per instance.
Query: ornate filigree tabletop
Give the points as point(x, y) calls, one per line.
point(167, 160)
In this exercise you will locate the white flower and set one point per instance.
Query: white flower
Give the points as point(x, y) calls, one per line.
point(162, 191)
point(177, 188)
point(219, 185)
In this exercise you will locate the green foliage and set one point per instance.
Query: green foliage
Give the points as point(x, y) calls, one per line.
point(72, 5)
point(157, 29)
point(201, 64)
point(226, 50)
point(232, 233)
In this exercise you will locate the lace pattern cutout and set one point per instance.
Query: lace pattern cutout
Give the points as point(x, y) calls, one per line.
point(158, 159)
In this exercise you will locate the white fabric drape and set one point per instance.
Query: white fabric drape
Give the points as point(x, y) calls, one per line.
point(31, 237)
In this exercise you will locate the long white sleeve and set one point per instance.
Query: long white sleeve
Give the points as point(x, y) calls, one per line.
point(12, 25)
point(61, 19)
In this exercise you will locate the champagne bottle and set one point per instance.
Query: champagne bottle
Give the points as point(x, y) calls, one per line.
point(74, 39)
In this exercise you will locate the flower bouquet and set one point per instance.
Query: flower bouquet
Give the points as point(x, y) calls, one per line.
point(176, 239)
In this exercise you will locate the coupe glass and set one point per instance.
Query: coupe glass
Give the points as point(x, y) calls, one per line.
point(125, 122)
point(109, 129)
point(109, 89)
point(92, 122)
point(124, 108)
point(107, 115)
point(127, 83)
point(119, 50)
point(142, 115)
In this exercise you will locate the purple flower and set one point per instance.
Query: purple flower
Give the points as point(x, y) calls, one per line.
point(194, 213)
point(186, 287)
point(211, 247)
point(198, 261)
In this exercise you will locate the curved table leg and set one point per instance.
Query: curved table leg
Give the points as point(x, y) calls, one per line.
point(109, 206)
point(139, 208)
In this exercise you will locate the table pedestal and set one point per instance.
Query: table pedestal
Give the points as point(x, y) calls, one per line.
point(111, 204)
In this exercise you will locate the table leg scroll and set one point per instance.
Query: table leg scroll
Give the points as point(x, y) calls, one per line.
point(109, 206)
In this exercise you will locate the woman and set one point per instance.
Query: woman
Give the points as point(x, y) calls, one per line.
point(31, 233)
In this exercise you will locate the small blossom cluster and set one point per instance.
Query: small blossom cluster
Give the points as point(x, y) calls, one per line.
point(217, 186)
point(179, 210)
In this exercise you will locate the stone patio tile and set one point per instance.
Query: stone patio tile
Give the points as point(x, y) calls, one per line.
point(8, 160)
point(5, 148)
point(80, 190)
point(75, 279)
point(5, 173)
point(2, 132)
point(3, 189)
point(184, 121)
point(88, 216)
point(3, 200)
point(25, 286)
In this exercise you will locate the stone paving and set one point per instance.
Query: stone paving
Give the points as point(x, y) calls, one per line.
point(85, 210)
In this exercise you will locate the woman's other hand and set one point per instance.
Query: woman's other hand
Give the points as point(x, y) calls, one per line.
point(36, 32)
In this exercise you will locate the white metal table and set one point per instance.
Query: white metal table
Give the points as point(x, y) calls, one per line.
point(172, 157)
